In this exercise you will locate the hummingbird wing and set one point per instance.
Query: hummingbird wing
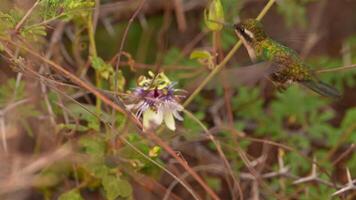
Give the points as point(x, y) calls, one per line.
point(250, 74)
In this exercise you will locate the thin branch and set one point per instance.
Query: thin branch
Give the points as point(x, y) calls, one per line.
point(180, 17)
point(27, 15)
point(344, 154)
point(219, 149)
point(353, 66)
point(23, 178)
point(185, 175)
point(122, 44)
point(3, 133)
point(349, 186)
point(313, 175)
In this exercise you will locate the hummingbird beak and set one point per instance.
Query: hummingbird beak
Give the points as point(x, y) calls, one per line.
point(246, 40)
point(223, 23)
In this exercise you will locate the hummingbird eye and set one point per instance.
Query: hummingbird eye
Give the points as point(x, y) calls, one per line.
point(240, 28)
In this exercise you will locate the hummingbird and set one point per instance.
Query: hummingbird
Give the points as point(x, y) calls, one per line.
point(284, 64)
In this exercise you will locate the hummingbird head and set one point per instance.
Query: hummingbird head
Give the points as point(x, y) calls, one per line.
point(250, 31)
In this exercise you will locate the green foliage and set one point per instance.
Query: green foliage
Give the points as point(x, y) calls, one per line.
point(113, 184)
point(9, 20)
point(348, 125)
point(93, 146)
point(136, 161)
point(228, 39)
point(203, 57)
point(293, 11)
point(68, 9)
point(11, 91)
point(107, 72)
point(115, 187)
point(248, 103)
point(34, 33)
point(86, 115)
point(71, 195)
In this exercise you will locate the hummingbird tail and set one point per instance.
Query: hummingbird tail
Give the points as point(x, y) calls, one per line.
point(321, 88)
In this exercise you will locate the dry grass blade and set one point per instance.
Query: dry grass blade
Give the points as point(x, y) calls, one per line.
point(24, 177)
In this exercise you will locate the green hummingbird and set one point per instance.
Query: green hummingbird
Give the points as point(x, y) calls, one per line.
point(285, 66)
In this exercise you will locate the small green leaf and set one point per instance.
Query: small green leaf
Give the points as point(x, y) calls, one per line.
point(120, 81)
point(76, 127)
point(115, 187)
point(154, 152)
point(105, 70)
point(98, 170)
point(349, 119)
point(86, 115)
point(203, 57)
point(93, 145)
point(200, 54)
point(71, 195)
point(213, 15)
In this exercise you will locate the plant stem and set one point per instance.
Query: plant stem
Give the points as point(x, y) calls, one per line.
point(219, 150)
point(336, 69)
point(226, 59)
point(27, 15)
point(93, 53)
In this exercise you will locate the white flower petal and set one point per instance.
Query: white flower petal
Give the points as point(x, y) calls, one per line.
point(177, 115)
point(179, 107)
point(151, 119)
point(169, 121)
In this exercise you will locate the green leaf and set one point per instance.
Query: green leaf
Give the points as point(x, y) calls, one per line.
point(105, 70)
point(75, 127)
point(86, 114)
point(71, 195)
point(213, 15)
point(69, 8)
point(34, 33)
point(203, 57)
point(200, 54)
point(115, 187)
point(120, 81)
point(8, 89)
point(349, 119)
point(98, 170)
point(348, 124)
point(93, 145)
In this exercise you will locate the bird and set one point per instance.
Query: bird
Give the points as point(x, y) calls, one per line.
point(284, 64)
